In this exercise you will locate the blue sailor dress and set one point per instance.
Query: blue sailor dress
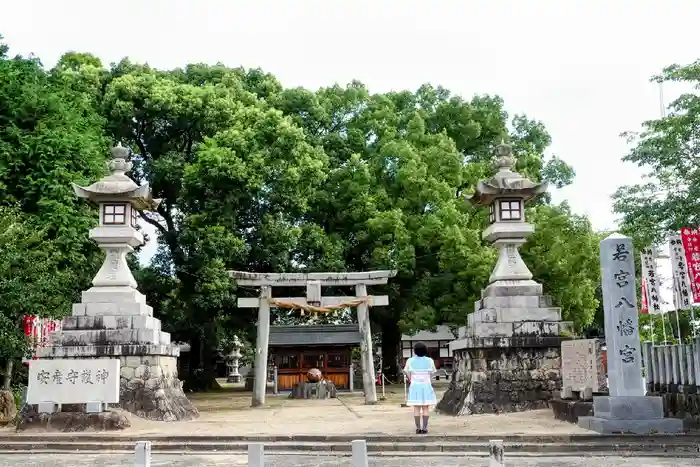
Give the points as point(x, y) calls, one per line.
point(420, 371)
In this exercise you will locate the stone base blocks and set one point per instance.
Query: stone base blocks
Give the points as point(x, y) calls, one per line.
point(508, 358)
point(630, 414)
point(117, 323)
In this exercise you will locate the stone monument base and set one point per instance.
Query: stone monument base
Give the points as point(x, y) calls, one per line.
point(150, 388)
point(323, 389)
point(503, 374)
point(571, 411)
point(630, 414)
point(75, 420)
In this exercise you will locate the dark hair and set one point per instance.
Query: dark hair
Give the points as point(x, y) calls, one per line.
point(420, 349)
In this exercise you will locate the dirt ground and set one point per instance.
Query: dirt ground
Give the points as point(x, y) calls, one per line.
point(228, 412)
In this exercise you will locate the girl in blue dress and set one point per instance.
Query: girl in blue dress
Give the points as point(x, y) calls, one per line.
point(419, 370)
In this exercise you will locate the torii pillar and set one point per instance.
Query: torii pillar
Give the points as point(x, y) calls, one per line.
point(313, 283)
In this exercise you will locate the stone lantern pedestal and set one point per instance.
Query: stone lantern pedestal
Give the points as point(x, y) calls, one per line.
point(113, 320)
point(508, 357)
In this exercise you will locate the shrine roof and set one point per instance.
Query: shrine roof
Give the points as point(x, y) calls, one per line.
point(326, 334)
point(442, 333)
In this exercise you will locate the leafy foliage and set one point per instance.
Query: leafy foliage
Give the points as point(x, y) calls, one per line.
point(668, 148)
point(257, 177)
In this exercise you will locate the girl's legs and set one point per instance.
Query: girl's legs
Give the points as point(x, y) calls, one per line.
point(426, 414)
point(416, 416)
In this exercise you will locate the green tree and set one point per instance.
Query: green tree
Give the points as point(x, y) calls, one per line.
point(50, 136)
point(31, 282)
point(563, 254)
point(667, 149)
point(400, 164)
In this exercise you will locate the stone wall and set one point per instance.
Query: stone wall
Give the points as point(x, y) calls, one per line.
point(685, 406)
point(506, 378)
point(150, 388)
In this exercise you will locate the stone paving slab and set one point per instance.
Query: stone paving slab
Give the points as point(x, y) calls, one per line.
point(343, 416)
point(39, 460)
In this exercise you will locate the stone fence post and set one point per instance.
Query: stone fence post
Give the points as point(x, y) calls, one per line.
point(496, 453)
point(359, 453)
point(256, 455)
point(142, 454)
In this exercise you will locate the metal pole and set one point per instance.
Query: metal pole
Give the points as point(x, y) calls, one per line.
point(663, 325)
point(678, 324)
point(381, 372)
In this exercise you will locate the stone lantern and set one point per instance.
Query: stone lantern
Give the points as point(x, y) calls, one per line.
point(113, 320)
point(505, 194)
point(232, 362)
point(507, 358)
point(119, 200)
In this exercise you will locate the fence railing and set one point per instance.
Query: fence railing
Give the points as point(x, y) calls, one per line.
point(256, 454)
point(672, 368)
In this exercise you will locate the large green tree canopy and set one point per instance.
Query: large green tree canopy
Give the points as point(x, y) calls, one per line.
point(258, 177)
point(667, 148)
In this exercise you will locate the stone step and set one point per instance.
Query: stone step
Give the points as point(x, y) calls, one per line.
point(521, 328)
point(107, 350)
point(512, 315)
point(72, 323)
point(110, 336)
point(112, 309)
point(523, 301)
point(112, 295)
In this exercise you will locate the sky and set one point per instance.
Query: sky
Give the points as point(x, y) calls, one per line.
point(581, 67)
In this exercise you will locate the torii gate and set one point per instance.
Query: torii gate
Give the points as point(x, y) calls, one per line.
point(313, 283)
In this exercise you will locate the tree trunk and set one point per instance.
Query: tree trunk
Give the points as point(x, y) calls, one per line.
point(8, 375)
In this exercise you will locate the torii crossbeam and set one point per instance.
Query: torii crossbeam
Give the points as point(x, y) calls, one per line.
point(313, 283)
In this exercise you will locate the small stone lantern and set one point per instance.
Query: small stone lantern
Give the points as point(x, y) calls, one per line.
point(233, 361)
point(119, 199)
point(505, 195)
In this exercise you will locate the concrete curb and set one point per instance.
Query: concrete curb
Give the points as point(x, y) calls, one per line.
point(647, 448)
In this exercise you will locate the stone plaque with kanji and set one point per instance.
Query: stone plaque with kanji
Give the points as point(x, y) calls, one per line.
point(68, 381)
point(582, 365)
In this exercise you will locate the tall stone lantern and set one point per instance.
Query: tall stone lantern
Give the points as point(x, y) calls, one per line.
point(507, 358)
point(113, 319)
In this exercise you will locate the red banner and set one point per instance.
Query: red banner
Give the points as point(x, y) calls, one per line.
point(691, 244)
point(38, 331)
point(645, 302)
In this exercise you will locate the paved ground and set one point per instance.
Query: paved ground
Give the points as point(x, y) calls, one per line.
point(229, 413)
point(40, 460)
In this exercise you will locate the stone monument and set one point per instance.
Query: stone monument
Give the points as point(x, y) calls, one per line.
point(626, 409)
point(582, 368)
point(508, 356)
point(232, 362)
point(113, 319)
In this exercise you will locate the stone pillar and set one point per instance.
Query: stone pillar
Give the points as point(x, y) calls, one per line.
point(261, 347)
point(368, 378)
point(626, 409)
point(113, 320)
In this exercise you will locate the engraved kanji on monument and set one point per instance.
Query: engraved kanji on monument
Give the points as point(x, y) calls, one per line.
point(621, 317)
point(626, 409)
